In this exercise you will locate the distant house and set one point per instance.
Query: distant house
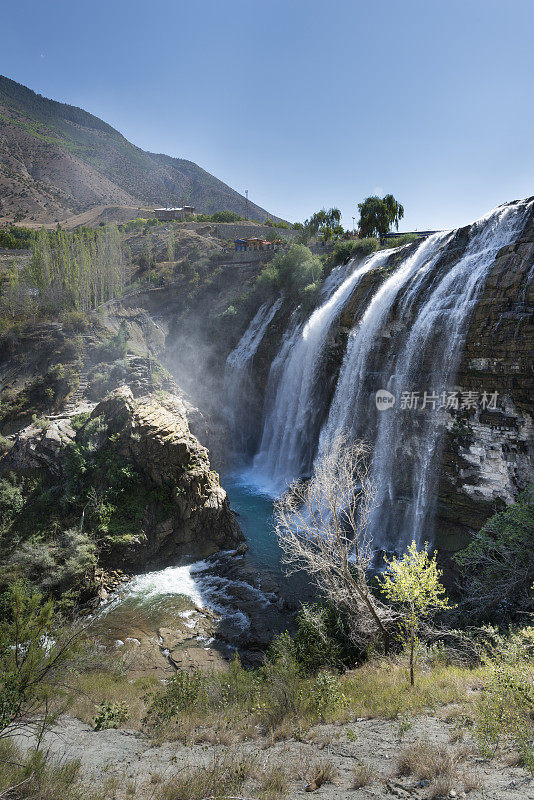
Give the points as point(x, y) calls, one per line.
point(169, 214)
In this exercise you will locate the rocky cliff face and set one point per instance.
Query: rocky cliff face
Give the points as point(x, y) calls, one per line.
point(154, 436)
point(488, 462)
point(487, 454)
point(128, 482)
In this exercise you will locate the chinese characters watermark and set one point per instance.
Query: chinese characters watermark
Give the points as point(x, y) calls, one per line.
point(437, 401)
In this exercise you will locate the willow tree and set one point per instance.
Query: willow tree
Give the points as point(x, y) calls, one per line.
point(324, 223)
point(378, 215)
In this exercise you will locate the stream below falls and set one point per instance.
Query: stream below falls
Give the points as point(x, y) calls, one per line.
point(172, 596)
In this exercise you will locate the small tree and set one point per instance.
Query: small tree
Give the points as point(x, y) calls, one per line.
point(413, 582)
point(377, 215)
point(322, 526)
point(33, 657)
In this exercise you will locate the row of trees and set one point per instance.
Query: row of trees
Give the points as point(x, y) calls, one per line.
point(67, 270)
point(377, 217)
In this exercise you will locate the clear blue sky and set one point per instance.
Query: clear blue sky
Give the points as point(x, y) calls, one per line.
point(304, 103)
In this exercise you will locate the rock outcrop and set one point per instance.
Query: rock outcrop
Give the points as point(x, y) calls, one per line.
point(170, 505)
point(154, 436)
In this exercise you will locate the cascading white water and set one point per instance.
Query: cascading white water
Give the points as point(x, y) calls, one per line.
point(237, 388)
point(410, 339)
point(288, 441)
point(346, 409)
point(429, 361)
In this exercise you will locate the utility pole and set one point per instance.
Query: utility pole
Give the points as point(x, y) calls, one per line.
point(353, 225)
point(246, 195)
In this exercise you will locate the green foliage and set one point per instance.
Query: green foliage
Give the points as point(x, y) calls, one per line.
point(110, 715)
point(324, 224)
point(321, 640)
point(75, 270)
point(283, 225)
point(497, 567)
point(32, 657)
point(15, 237)
point(75, 321)
point(413, 584)
point(220, 216)
point(11, 499)
point(505, 711)
point(377, 215)
point(400, 241)
point(184, 692)
point(296, 271)
point(353, 248)
point(53, 532)
point(267, 282)
point(55, 565)
point(326, 694)
point(117, 346)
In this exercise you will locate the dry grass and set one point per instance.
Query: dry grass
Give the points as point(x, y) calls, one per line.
point(93, 688)
point(34, 777)
point(426, 761)
point(273, 782)
point(362, 775)
point(439, 765)
point(321, 772)
point(383, 690)
point(224, 775)
point(376, 690)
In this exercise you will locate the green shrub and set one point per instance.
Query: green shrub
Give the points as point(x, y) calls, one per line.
point(267, 282)
point(111, 715)
point(498, 564)
point(11, 499)
point(57, 372)
point(353, 248)
point(75, 321)
point(400, 241)
point(184, 692)
point(5, 444)
point(57, 564)
point(504, 714)
point(326, 694)
point(117, 346)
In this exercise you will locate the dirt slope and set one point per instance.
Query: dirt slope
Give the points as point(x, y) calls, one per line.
point(57, 160)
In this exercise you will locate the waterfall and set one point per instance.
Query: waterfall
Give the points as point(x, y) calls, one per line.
point(237, 388)
point(410, 340)
point(294, 415)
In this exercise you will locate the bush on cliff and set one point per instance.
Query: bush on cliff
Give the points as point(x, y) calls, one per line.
point(352, 248)
point(294, 271)
point(53, 531)
point(497, 567)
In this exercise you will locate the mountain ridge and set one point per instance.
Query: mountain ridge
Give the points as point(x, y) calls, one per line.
point(58, 160)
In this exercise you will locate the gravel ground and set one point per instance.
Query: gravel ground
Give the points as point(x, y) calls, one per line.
point(375, 743)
